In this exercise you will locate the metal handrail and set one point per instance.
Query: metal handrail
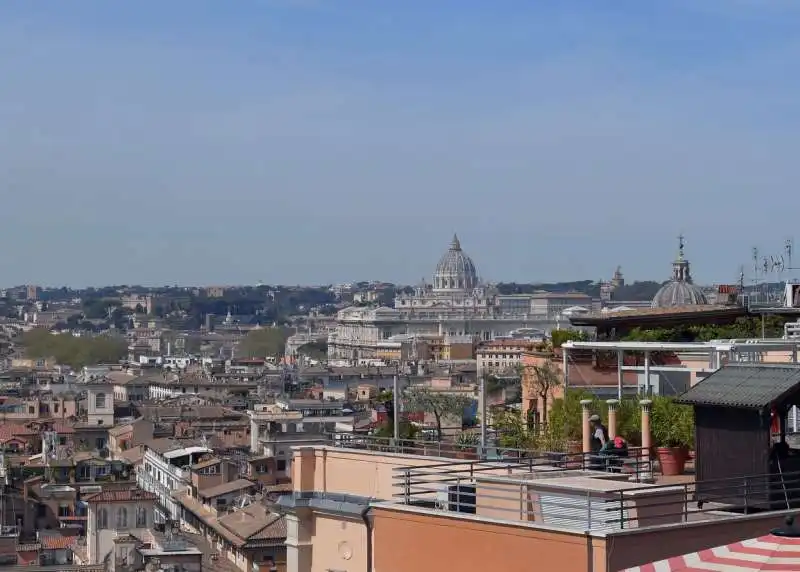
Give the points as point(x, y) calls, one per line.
point(473, 489)
point(471, 452)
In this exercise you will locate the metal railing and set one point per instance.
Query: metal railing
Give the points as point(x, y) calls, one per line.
point(636, 462)
point(512, 493)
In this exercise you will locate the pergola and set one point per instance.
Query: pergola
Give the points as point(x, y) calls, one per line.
point(736, 350)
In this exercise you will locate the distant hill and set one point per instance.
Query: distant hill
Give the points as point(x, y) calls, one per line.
point(639, 291)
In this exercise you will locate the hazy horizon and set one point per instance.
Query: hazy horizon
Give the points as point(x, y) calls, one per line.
point(316, 142)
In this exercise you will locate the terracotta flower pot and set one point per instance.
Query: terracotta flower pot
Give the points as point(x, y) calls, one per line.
point(672, 460)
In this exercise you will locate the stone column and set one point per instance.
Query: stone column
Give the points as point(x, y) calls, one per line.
point(645, 472)
point(587, 432)
point(612, 417)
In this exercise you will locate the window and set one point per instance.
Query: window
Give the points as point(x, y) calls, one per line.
point(281, 464)
point(141, 517)
point(55, 407)
point(100, 401)
point(122, 517)
point(64, 510)
point(102, 518)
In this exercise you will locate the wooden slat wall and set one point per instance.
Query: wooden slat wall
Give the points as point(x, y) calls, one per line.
point(731, 443)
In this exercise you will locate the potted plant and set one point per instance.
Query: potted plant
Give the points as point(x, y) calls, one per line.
point(467, 443)
point(672, 427)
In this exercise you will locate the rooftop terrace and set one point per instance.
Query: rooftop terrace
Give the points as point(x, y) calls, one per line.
point(561, 507)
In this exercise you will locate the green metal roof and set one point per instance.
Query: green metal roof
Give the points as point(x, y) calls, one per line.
point(749, 386)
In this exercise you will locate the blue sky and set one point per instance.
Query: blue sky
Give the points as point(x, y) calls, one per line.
point(316, 141)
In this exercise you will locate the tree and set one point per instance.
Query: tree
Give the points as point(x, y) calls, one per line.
point(438, 403)
point(512, 432)
point(408, 431)
point(743, 327)
point(541, 380)
point(558, 337)
point(566, 415)
point(263, 342)
point(72, 351)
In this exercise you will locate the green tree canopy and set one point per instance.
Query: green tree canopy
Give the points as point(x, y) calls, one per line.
point(558, 337)
point(264, 342)
point(75, 352)
point(408, 431)
point(440, 404)
point(744, 327)
point(566, 417)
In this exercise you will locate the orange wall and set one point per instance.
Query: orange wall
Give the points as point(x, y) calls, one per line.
point(369, 473)
point(339, 544)
point(405, 540)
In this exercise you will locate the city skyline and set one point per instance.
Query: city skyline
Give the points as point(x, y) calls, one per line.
point(311, 142)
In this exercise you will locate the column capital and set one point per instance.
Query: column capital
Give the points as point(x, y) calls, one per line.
point(585, 403)
point(612, 404)
point(645, 403)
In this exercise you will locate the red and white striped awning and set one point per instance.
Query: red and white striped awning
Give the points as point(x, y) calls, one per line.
point(770, 552)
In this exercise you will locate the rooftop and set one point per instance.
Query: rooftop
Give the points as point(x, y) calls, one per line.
point(128, 495)
point(666, 314)
point(251, 524)
point(552, 507)
point(752, 386)
point(226, 488)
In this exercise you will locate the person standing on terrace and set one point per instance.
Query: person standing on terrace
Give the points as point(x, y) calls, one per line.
point(599, 433)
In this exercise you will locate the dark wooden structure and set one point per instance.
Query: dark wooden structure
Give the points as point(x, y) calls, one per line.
point(614, 325)
point(742, 457)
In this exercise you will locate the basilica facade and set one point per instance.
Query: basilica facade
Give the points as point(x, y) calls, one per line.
point(456, 306)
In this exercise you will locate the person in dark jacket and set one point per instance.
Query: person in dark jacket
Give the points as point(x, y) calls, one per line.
point(599, 438)
point(599, 433)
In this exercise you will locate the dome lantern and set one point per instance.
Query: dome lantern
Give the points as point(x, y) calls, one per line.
point(680, 290)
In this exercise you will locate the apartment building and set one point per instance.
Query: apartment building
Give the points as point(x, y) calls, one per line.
point(55, 499)
point(165, 468)
point(128, 435)
point(276, 428)
point(387, 511)
point(230, 514)
point(502, 356)
point(37, 407)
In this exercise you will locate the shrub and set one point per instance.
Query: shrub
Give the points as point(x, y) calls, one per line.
point(671, 424)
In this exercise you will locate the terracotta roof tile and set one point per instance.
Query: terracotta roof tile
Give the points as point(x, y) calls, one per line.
point(226, 488)
point(56, 541)
point(11, 430)
point(127, 495)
